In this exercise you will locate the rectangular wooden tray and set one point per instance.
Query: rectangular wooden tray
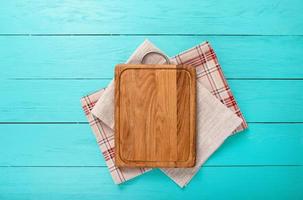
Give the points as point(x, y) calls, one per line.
point(155, 115)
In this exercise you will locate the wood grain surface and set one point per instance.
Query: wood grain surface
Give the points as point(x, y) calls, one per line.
point(155, 115)
point(84, 57)
point(152, 17)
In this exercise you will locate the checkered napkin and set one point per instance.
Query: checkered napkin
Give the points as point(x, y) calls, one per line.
point(219, 122)
point(215, 123)
point(105, 139)
point(210, 75)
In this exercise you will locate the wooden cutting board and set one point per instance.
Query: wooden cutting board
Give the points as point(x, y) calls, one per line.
point(155, 115)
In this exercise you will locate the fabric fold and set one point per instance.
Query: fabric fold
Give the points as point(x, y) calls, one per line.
point(218, 115)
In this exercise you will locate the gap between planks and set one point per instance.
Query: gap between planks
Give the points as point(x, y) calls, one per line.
point(143, 34)
point(106, 78)
point(103, 166)
point(58, 123)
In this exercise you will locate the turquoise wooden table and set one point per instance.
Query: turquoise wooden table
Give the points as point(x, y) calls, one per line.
point(54, 52)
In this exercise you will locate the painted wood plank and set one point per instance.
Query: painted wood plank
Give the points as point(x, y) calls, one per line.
point(133, 16)
point(57, 101)
point(75, 145)
point(95, 57)
point(95, 183)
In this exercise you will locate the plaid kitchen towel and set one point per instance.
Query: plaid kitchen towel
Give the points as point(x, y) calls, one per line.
point(104, 110)
point(215, 122)
point(105, 139)
point(209, 74)
point(103, 128)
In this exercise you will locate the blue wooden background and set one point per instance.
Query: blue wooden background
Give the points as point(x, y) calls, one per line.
point(54, 52)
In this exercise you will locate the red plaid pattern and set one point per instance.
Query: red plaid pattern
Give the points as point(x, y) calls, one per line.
point(210, 75)
point(105, 139)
